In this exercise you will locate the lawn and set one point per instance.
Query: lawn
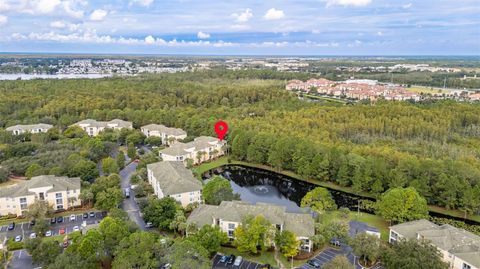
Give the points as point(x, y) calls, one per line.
point(374, 221)
point(425, 90)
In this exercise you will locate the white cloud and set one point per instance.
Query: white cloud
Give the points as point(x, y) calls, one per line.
point(274, 14)
point(46, 6)
point(244, 16)
point(4, 6)
point(203, 35)
point(98, 15)
point(3, 19)
point(144, 3)
point(240, 27)
point(407, 6)
point(379, 33)
point(355, 3)
point(149, 40)
point(58, 24)
point(70, 8)
point(42, 7)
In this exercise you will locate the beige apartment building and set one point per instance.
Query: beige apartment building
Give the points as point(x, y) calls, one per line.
point(169, 135)
point(31, 128)
point(172, 179)
point(201, 149)
point(230, 214)
point(93, 127)
point(459, 248)
point(60, 192)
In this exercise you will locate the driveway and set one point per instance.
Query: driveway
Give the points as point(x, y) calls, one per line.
point(21, 260)
point(244, 265)
point(129, 204)
point(328, 254)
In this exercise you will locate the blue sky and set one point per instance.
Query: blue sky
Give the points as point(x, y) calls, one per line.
point(248, 27)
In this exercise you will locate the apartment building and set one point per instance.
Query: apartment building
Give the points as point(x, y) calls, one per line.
point(93, 127)
point(169, 135)
point(201, 149)
point(230, 214)
point(60, 192)
point(172, 179)
point(31, 128)
point(459, 248)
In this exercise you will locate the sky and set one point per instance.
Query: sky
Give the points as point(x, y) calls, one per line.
point(242, 27)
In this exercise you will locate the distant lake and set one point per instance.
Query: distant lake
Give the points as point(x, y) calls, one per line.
point(47, 76)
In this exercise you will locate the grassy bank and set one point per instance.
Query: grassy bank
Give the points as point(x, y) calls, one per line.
point(199, 170)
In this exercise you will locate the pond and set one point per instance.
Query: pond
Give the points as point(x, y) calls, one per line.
point(258, 185)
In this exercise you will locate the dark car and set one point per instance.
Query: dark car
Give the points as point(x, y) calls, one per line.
point(60, 219)
point(32, 222)
point(11, 226)
point(231, 259)
point(223, 259)
point(314, 263)
point(92, 214)
point(85, 215)
point(53, 220)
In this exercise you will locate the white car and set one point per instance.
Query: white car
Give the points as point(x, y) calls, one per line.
point(148, 225)
point(238, 261)
point(18, 238)
point(33, 235)
point(76, 228)
point(48, 233)
point(73, 217)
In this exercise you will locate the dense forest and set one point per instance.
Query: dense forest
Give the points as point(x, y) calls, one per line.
point(431, 147)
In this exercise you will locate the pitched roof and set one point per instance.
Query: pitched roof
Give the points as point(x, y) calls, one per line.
point(409, 229)
point(95, 123)
point(28, 127)
point(174, 178)
point(57, 184)
point(199, 143)
point(164, 129)
point(236, 211)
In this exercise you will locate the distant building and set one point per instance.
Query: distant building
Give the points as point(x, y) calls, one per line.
point(32, 128)
point(459, 248)
point(60, 192)
point(172, 179)
point(166, 133)
point(93, 127)
point(357, 227)
point(202, 149)
point(230, 214)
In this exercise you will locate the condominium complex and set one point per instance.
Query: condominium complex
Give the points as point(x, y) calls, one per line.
point(459, 248)
point(172, 179)
point(202, 149)
point(93, 127)
point(30, 128)
point(168, 135)
point(60, 192)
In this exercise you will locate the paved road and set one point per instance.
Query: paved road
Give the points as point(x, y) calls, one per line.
point(129, 204)
point(21, 260)
point(330, 253)
point(25, 229)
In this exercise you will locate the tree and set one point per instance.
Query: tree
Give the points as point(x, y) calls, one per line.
point(406, 254)
point(34, 170)
point(3, 174)
point(333, 229)
point(46, 253)
point(218, 189)
point(161, 212)
point(109, 166)
point(131, 151)
point(210, 237)
point(137, 251)
point(287, 242)
point(402, 204)
point(368, 247)
point(71, 260)
point(85, 169)
point(240, 145)
point(109, 198)
point(153, 141)
point(319, 199)
point(39, 210)
point(120, 160)
point(254, 233)
point(188, 254)
point(74, 132)
point(471, 200)
point(179, 222)
point(339, 262)
point(112, 232)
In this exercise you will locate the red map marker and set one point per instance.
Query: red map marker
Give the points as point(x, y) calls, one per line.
point(221, 128)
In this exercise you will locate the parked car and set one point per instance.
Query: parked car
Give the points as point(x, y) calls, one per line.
point(127, 193)
point(76, 228)
point(32, 222)
point(53, 220)
point(238, 261)
point(314, 263)
point(61, 231)
point(48, 233)
point(33, 235)
point(92, 214)
point(18, 238)
point(65, 244)
point(231, 259)
point(11, 226)
point(85, 215)
point(148, 225)
point(166, 266)
point(73, 217)
point(60, 219)
point(223, 259)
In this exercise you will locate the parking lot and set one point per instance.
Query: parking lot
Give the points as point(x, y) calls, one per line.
point(244, 265)
point(25, 229)
point(328, 254)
